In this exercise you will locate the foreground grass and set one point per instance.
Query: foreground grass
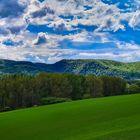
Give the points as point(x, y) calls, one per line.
point(112, 118)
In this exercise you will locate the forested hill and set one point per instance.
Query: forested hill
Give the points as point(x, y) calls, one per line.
point(97, 67)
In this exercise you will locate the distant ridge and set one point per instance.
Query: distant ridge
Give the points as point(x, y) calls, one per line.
point(85, 67)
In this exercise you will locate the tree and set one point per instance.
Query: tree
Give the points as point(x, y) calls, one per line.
point(113, 86)
point(94, 86)
point(78, 86)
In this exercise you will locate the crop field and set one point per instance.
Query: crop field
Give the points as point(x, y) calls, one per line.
point(110, 118)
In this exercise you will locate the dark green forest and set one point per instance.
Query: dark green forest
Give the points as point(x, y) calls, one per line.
point(20, 91)
point(129, 71)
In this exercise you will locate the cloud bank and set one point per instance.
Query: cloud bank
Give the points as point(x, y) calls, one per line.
point(48, 31)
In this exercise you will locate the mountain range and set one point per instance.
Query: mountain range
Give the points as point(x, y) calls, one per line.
point(129, 71)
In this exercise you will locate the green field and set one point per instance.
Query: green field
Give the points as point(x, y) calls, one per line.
point(112, 118)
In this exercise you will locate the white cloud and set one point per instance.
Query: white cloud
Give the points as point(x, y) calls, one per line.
point(135, 20)
point(123, 56)
point(127, 46)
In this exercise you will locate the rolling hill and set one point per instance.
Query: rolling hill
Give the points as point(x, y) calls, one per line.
point(85, 67)
point(111, 118)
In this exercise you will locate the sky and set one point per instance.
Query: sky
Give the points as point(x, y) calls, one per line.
point(51, 30)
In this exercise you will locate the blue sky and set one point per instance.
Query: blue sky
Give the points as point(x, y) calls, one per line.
point(50, 30)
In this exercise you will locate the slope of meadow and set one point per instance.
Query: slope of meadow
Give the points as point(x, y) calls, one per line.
point(112, 118)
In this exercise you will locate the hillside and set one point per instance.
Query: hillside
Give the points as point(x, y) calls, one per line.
point(112, 118)
point(97, 67)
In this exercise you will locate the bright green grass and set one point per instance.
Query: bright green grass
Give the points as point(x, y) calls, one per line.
point(112, 118)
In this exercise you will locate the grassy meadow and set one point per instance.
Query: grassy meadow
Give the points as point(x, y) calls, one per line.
point(110, 118)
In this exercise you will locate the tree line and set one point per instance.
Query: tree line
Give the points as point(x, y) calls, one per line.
point(20, 91)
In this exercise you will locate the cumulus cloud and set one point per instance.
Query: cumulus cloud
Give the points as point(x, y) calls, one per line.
point(41, 39)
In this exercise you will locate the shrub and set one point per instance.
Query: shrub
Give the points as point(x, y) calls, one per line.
point(53, 100)
point(6, 109)
point(133, 89)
